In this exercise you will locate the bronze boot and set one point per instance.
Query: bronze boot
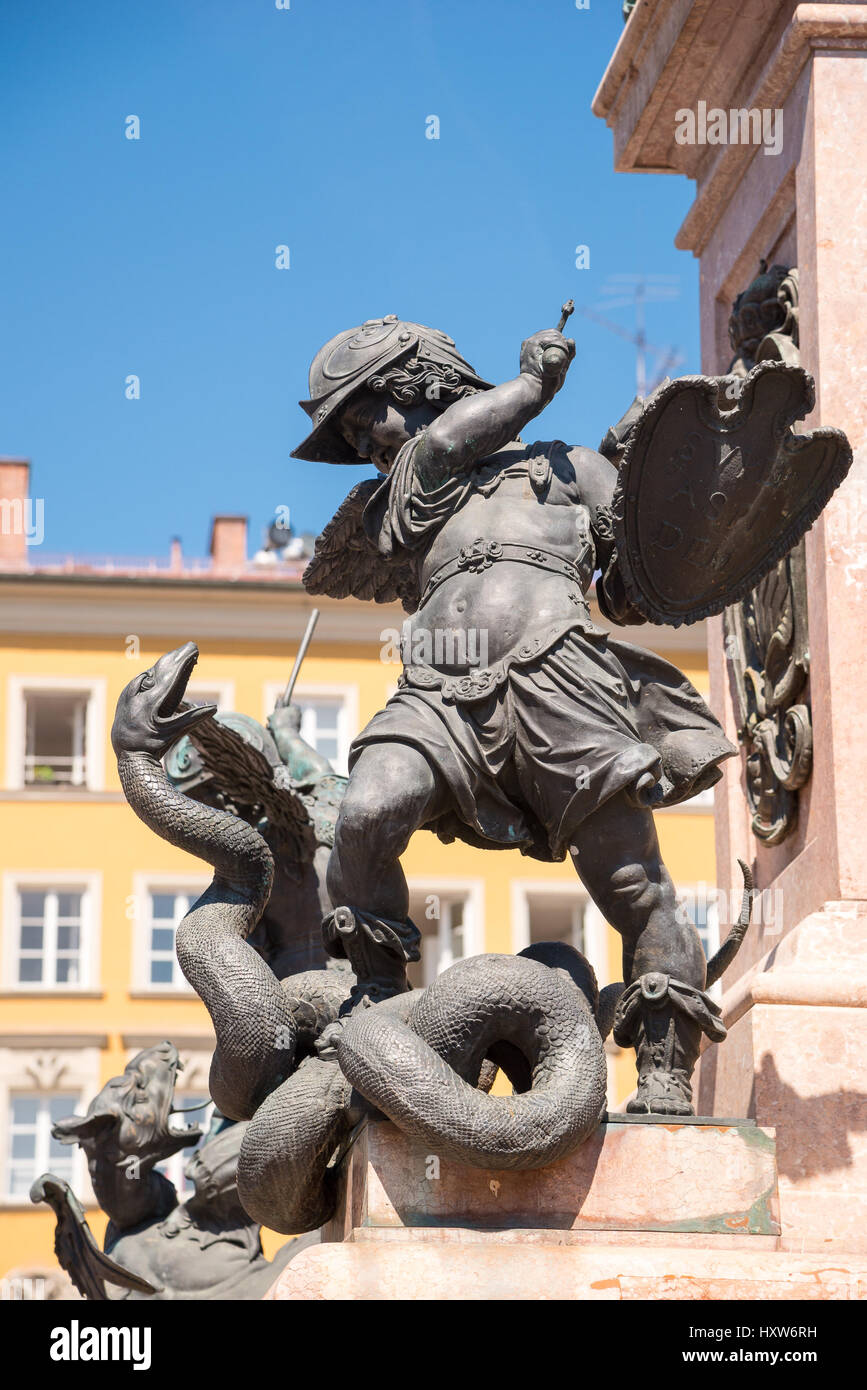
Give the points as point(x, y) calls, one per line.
point(378, 950)
point(663, 1019)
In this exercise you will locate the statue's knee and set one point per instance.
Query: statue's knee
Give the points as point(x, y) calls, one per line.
point(375, 823)
point(634, 891)
point(386, 801)
point(357, 821)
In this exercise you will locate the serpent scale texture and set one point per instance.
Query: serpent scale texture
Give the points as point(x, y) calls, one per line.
point(284, 1178)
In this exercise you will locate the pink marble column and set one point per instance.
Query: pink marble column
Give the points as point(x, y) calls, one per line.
point(796, 998)
point(797, 1053)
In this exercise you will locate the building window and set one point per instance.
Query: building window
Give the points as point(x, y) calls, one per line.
point(56, 733)
point(219, 693)
point(50, 932)
point(55, 753)
point(545, 913)
point(165, 909)
point(31, 1149)
point(557, 917)
point(38, 1087)
point(447, 923)
point(323, 726)
point(50, 935)
point(173, 1167)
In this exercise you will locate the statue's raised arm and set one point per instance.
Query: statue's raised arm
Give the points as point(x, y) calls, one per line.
point(479, 425)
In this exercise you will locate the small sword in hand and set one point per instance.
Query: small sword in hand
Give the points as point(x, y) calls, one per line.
point(554, 359)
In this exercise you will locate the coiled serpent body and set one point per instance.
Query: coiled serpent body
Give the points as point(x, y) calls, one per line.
point(418, 1057)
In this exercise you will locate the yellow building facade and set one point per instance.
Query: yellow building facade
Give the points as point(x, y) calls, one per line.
point(89, 896)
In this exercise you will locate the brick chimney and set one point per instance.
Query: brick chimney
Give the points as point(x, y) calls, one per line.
point(229, 542)
point(15, 515)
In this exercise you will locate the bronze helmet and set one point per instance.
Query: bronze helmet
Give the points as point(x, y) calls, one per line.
point(346, 362)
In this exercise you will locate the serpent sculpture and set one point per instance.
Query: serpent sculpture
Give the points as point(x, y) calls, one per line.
point(425, 1059)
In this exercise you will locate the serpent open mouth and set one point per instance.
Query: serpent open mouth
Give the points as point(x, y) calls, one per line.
point(162, 1064)
point(178, 682)
point(190, 1132)
point(174, 714)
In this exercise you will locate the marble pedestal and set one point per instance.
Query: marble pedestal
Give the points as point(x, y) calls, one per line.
point(658, 1209)
point(794, 1000)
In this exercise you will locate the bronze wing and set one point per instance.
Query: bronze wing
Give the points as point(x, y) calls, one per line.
point(77, 1252)
point(346, 563)
point(244, 775)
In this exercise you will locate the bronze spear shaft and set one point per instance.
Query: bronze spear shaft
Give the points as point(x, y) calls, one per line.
point(302, 652)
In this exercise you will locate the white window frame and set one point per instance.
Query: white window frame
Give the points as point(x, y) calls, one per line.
point(224, 691)
point(89, 885)
point(43, 1160)
point(347, 718)
point(472, 893)
point(94, 690)
point(144, 884)
point(587, 915)
point(38, 1070)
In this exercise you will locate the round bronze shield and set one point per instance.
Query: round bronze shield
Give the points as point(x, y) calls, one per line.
point(715, 487)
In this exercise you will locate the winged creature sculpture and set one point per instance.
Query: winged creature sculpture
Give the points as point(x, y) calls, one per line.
point(271, 778)
point(206, 1247)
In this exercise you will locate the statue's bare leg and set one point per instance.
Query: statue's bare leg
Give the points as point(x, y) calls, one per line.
point(663, 1011)
point(392, 792)
point(616, 854)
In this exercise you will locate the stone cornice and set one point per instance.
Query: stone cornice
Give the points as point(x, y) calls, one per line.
point(185, 1041)
point(240, 614)
point(56, 1041)
point(649, 57)
point(813, 26)
point(819, 963)
point(673, 53)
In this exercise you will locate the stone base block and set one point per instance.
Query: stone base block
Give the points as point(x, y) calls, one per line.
point(712, 1177)
point(474, 1266)
point(650, 1209)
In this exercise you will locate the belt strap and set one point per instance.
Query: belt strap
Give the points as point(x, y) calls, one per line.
point(482, 554)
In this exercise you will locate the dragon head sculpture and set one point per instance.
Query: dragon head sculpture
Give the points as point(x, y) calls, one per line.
point(151, 713)
point(133, 1115)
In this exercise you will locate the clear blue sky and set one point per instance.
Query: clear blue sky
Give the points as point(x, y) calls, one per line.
point(303, 127)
